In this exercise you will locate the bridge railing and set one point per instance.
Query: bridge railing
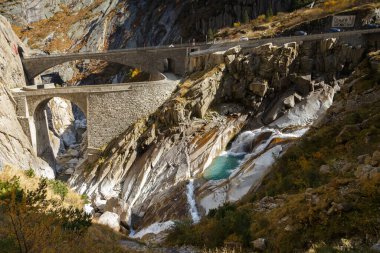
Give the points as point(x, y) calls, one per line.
point(175, 46)
point(251, 43)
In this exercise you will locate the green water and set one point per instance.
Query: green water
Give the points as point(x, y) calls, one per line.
point(222, 167)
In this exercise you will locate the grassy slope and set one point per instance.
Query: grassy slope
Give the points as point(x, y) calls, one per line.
point(298, 206)
point(267, 26)
point(97, 238)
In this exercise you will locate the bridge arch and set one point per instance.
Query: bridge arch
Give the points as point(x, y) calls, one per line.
point(151, 61)
point(169, 65)
point(41, 133)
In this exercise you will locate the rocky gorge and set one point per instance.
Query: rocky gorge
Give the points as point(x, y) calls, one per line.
point(218, 136)
point(264, 94)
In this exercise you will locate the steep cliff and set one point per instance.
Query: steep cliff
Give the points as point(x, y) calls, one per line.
point(266, 91)
point(123, 23)
point(15, 146)
point(322, 194)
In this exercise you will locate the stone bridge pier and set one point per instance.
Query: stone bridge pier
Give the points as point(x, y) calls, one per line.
point(109, 109)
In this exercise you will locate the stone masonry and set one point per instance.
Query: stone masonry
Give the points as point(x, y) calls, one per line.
point(109, 109)
point(151, 60)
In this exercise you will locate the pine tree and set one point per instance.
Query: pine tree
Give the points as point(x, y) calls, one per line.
point(245, 17)
point(269, 12)
point(210, 34)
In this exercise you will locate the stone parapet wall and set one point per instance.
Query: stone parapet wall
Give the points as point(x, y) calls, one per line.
point(110, 114)
point(109, 109)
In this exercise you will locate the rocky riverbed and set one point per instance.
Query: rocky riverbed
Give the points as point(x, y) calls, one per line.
point(264, 94)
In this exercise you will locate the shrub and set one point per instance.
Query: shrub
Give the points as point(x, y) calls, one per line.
point(35, 223)
point(85, 198)
point(269, 13)
point(210, 34)
point(226, 224)
point(30, 173)
point(59, 188)
point(245, 17)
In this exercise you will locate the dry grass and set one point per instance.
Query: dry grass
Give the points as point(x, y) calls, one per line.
point(60, 23)
point(31, 183)
point(222, 250)
point(268, 26)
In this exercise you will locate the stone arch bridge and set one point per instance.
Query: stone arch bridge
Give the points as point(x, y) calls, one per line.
point(109, 110)
point(152, 60)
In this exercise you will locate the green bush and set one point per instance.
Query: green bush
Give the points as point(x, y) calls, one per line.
point(59, 188)
point(33, 223)
point(85, 198)
point(30, 173)
point(245, 17)
point(221, 225)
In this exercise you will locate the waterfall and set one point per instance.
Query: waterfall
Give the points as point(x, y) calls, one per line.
point(248, 144)
point(191, 200)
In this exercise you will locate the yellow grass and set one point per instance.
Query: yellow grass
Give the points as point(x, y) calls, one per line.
point(60, 23)
point(267, 26)
point(27, 183)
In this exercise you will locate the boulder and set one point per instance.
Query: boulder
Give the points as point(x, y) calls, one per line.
point(69, 138)
point(99, 203)
point(365, 171)
point(308, 110)
point(73, 152)
point(259, 87)
point(289, 102)
point(69, 171)
point(113, 205)
point(233, 51)
point(373, 173)
point(376, 156)
point(362, 158)
point(303, 84)
point(88, 209)
point(325, 169)
point(376, 247)
point(259, 244)
point(297, 98)
point(111, 220)
point(229, 59)
point(73, 161)
point(346, 168)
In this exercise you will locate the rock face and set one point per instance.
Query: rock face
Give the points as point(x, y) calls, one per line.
point(150, 164)
point(15, 147)
point(100, 25)
point(110, 219)
point(167, 21)
point(160, 156)
point(274, 78)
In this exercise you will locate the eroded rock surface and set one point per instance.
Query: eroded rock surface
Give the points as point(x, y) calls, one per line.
point(15, 147)
point(151, 164)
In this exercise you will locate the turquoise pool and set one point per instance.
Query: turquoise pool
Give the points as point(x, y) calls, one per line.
point(222, 166)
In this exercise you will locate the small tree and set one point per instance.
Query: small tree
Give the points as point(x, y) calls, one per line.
point(36, 223)
point(210, 34)
point(245, 17)
point(269, 12)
